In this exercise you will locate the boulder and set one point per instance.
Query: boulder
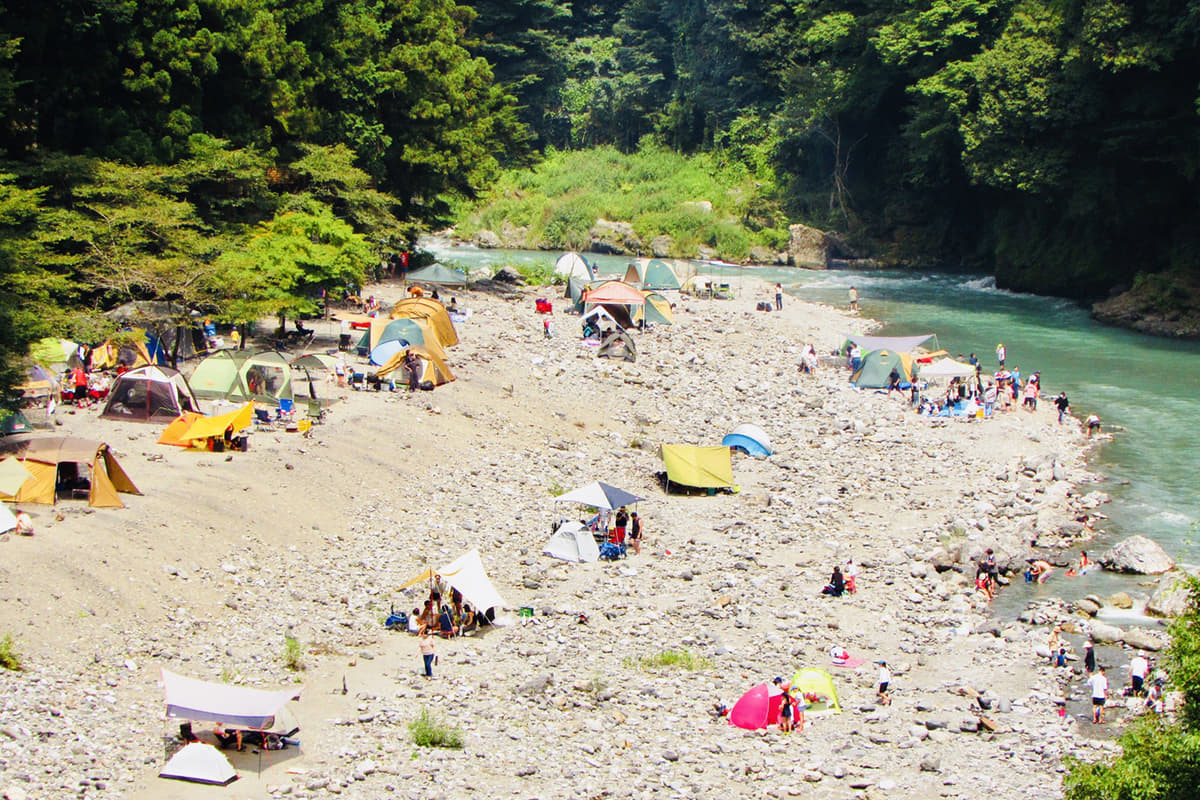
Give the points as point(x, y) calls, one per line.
point(1103, 633)
point(808, 247)
point(661, 246)
point(1144, 639)
point(1088, 606)
point(1138, 555)
point(1121, 600)
point(617, 238)
point(488, 240)
point(507, 274)
point(1170, 599)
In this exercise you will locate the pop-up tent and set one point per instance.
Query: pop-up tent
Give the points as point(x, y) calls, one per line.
point(571, 265)
point(437, 274)
point(433, 313)
point(14, 422)
point(149, 394)
point(571, 541)
point(902, 344)
point(199, 762)
point(877, 367)
point(813, 682)
point(432, 368)
point(75, 465)
point(235, 706)
point(704, 467)
point(600, 495)
point(750, 439)
point(466, 574)
point(757, 708)
point(265, 376)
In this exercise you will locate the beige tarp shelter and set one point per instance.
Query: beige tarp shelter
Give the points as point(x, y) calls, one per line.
point(44, 455)
point(432, 369)
point(434, 314)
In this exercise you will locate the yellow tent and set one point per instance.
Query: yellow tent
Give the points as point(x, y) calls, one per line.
point(433, 368)
point(693, 465)
point(204, 427)
point(432, 312)
point(173, 433)
point(132, 353)
point(42, 456)
point(816, 681)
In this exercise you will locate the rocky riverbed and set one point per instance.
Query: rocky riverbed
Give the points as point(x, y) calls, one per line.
point(225, 556)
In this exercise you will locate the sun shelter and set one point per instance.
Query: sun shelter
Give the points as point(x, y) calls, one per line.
point(657, 311)
point(757, 708)
point(212, 427)
point(234, 706)
point(431, 367)
point(813, 682)
point(877, 366)
point(750, 439)
point(173, 433)
point(946, 368)
point(600, 495)
point(13, 476)
point(68, 466)
point(571, 265)
point(434, 315)
point(703, 467)
point(611, 293)
point(149, 394)
point(437, 274)
point(199, 762)
point(572, 541)
point(466, 574)
point(902, 344)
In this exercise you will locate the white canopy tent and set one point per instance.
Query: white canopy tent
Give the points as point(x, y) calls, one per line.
point(571, 541)
point(466, 574)
point(946, 368)
point(236, 706)
point(200, 763)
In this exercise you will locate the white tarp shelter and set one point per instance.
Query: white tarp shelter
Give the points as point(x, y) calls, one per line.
point(600, 495)
point(899, 344)
point(571, 541)
point(946, 368)
point(200, 763)
point(235, 706)
point(466, 574)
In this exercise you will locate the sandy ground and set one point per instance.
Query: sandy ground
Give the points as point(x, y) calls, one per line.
point(225, 555)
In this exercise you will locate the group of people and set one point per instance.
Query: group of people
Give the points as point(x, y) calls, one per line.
point(1097, 679)
point(442, 619)
point(842, 581)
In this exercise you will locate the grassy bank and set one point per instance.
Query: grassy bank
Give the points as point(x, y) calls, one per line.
point(698, 201)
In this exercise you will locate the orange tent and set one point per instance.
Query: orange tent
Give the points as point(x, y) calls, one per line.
point(614, 293)
point(178, 427)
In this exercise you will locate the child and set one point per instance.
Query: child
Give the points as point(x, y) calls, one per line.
point(785, 710)
point(428, 651)
point(885, 679)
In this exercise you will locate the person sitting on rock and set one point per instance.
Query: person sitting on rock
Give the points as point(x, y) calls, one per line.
point(837, 583)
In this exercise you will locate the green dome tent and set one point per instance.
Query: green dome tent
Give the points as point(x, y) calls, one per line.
point(877, 366)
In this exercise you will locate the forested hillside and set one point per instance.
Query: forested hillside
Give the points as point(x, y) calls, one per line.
point(244, 156)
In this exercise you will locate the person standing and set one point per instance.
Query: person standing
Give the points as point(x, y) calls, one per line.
point(778, 297)
point(1063, 405)
point(785, 710)
point(80, 381)
point(413, 365)
point(428, 650)
point(620, 524)
point(1089, 657)
point(635, 533)
point(855, 358)
point(1139, 668)
point(850, 573)
point(1001, 352)
point(853, 299)
point(1099, 684)
point(885, 681)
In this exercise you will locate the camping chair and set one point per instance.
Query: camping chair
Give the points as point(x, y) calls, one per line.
point(287, 408)
point(315, 413)
point(723, 292)
point(262, 420)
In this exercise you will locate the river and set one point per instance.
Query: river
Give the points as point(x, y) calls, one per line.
point(1145, 390)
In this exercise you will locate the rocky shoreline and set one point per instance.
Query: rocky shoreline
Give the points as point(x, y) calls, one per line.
point(225, 556)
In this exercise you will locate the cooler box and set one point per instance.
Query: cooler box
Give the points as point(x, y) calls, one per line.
point(544, 306)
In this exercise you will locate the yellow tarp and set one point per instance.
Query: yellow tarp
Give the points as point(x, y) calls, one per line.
point(215, 426)
point(694, 465)
point(173, 433)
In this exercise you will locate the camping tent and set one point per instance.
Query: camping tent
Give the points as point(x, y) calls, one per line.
point(750, 439)
point(903, 344)
point(216, 377)
point(199, 762)
point(466, 574)
point(618, 344)
point(599, 318)
point(433, 313)
point(235, 706)
point(205, 427)
point(613, 293)
point(265, 376)
point(56, 459)
point(757, 708)
point(600, 495)
point(131, 352)
point(946, 368)
point(54, 353)
point(657, 311)
point(39, 382)
point(571, 265)
point(173, 433)
point(432, 368)
point(877, 367)
point(14, 422)
point(172, 330)
point(816, 681)
point(571, 541)
point(149, 394)
point(653, 275)
point(390, 336)
point(705, 467)
point(438, 274)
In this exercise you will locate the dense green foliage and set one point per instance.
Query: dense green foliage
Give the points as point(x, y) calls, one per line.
point(1160, 757)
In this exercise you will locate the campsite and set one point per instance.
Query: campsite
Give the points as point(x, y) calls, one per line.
point(224, 559)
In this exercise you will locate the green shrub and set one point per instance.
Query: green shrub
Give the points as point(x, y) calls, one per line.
point(292, 654)
point(427, 731)
point(9, 657)
point(684, 659)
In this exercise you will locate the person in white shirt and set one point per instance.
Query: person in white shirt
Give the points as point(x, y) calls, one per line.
point(1139, 668)
point(885, 679)
point(1099, 685)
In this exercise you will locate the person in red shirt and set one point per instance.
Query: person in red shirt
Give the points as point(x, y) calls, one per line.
point(79, 378)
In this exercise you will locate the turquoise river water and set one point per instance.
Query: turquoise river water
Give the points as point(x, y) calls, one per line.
point(1144, 389)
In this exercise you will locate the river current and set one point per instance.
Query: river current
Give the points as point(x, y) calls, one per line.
point(1145, 390)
